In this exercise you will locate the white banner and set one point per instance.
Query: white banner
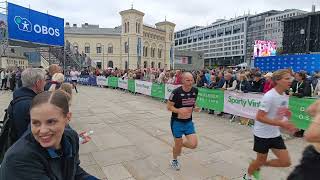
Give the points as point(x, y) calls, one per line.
point(169, 88)
point(143, 87)
point(123, 83)
point(242, 104)
point(102, 81)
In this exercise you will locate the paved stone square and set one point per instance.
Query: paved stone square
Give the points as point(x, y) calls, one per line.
point(132, 140)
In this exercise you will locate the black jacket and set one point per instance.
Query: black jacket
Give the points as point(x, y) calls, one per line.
point(21, 115)
point(304, 89)
point(257, 86)
point(243, 86)
point(27, 159)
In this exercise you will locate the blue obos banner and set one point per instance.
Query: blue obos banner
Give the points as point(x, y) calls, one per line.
point(307, 62)
point(32, 26)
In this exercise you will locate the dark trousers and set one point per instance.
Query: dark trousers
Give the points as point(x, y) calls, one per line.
point(4, 83)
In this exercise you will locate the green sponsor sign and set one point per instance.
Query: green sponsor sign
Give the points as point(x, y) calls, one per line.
point(210, 99)
point(131, 85)
point(298, 106)
point(113, 82)
point(158, 90)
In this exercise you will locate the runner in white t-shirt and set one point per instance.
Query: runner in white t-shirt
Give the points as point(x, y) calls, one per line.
point(74, 78)
point(271, 116)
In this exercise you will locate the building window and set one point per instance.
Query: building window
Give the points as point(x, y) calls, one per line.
point(159, 65)
point(152, 64)
point(126, 47)
point(153, 52)
point(98, 48)
point(159, 53)
point(87, 48)
point(110, 49)
point(145, 51)
point(145, 64)
point(110, 64)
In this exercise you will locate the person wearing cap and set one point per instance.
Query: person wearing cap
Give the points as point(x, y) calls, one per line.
point(268, 85)
point(257, 83)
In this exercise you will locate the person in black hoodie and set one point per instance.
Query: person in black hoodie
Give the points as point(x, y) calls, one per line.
point(257, 83)
point(50, 151)
point(33, 81)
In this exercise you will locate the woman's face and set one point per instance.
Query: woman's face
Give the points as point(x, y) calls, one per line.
point(48, 124)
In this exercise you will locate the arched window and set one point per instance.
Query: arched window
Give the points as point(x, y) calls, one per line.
point(139, 27)
point(86, 48)
point(159, 53)
point(125, 27)
point(159, 65)
point(110, 48)
point(128, 25)
point(110, 64)
point(145, 64)
point(145, 51)
point(152, 64)
point(137, 24)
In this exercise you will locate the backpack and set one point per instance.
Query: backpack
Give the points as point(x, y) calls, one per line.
point(8, 134)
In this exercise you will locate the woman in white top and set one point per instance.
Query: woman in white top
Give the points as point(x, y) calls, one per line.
point(74, 77)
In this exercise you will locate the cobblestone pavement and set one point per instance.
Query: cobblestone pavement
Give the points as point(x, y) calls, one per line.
point(132, 140)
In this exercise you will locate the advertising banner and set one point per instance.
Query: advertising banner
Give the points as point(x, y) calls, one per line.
point(169, 89)
point(123, 83)
point(210, 99)
point(102, 81)
point(113, 82)
point(158, 90)
point(25, 24)
point(143, 87)
point(298, 106)
point(131, 85)
point(242, 104)
point(84, 80)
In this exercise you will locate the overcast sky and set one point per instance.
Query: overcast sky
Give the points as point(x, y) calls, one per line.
point(184, 13)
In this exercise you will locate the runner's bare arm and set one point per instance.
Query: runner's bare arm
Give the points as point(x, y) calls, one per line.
point(170, 107)
point(262, 117)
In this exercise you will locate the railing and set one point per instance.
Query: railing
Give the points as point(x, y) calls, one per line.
point(232, 102)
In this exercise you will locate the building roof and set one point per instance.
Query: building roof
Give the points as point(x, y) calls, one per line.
point(302, 16)
point(93, 31)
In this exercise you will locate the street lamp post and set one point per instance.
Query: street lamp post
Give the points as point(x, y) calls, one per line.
point(103, 57)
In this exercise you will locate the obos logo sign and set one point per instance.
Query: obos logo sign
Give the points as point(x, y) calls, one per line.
point(25, 25)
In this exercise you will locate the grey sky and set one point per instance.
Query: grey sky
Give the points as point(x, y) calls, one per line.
point(184, 13)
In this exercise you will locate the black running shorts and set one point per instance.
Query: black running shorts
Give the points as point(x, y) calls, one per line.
point(262, 145)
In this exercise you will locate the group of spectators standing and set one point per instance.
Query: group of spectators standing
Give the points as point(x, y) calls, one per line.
point(10, 78)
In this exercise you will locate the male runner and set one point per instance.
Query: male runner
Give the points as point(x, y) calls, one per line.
point(182, 103)
point(272, 115)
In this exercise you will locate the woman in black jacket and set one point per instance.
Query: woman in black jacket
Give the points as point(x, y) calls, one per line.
point(301, 88)
point(50, 151)
point(243, 84)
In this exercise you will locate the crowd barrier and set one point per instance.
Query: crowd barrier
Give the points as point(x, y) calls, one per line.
point(232, 102)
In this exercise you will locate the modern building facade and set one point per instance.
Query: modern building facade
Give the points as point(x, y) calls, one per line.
point(131, 45)
point(274, 25)
point(222, 42)
point(302, 34)
point(256, 31)
point(188, 60)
